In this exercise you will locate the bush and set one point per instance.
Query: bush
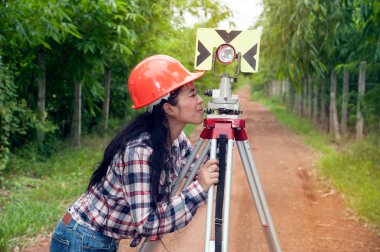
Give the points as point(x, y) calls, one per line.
point(8, 106)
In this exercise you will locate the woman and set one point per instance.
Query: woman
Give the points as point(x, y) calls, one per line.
point(129, 194)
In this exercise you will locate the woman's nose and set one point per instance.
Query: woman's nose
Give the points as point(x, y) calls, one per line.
point(200, 100)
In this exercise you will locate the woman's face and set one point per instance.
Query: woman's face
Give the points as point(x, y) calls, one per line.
point(189, 108)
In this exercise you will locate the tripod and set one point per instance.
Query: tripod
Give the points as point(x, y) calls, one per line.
point(225, 129)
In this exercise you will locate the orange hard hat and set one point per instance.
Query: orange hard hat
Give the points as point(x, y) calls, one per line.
point(155, 77)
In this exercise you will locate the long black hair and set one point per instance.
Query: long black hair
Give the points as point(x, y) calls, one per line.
point(156, 125)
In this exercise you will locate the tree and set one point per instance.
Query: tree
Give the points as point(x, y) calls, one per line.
point(68, 51)
point(344, 116)
point(333, 115)
point(319, 39)
point(33, 25)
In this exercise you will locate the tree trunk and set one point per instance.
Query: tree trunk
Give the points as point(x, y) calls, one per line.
point(41, 92)
point(323, 104)
point(304, 98)
point(309, 91)
point(285, 92)
point(294, 99)
point(288, 94)
point(346, 81)
point(361, 92)
point(315, 104)
point(77, 114)
point(106, 101)
point(333, 116)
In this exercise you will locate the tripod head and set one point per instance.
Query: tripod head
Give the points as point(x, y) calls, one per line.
point(226, 46)
point(223, 102)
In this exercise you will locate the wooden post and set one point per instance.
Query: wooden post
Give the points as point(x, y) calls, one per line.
point(299, 102)
point(270, 89)
point(361, 92)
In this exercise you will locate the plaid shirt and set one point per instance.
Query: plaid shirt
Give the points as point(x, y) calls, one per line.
point(122, 207)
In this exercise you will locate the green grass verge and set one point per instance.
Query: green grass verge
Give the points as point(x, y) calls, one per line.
point(355, 171)
point(34, 196)
point(353, 168)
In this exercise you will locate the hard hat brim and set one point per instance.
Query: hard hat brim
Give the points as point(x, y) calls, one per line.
point(192, 77)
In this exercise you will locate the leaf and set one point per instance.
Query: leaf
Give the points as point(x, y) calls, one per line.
point(46, 45)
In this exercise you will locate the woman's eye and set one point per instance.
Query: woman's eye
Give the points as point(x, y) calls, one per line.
point(194, 93)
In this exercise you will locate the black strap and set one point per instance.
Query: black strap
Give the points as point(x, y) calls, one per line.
point(220, 193)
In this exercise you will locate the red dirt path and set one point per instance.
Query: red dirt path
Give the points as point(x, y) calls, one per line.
point(308, 215)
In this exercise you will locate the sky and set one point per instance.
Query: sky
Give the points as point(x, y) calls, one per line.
point(246, 13)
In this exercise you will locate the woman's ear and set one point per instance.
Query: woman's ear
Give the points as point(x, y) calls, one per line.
point(168, 108)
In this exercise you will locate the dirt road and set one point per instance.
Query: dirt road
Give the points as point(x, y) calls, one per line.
point(307, 214)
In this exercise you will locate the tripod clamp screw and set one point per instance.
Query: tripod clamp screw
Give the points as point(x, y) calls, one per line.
point(208, 92)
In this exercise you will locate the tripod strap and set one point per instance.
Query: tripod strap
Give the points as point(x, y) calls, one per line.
point(220, 193)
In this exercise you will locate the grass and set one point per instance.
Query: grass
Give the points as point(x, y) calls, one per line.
point(34, 196)
point(353, 168)
point(355, 171)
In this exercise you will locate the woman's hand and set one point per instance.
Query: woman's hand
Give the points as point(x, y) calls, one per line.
point(209, 174)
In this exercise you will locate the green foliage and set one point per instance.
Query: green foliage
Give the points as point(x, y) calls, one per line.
point(332, 34)
point(79, 40)
point(15, 116)
point(7, 107)
point(303, 39)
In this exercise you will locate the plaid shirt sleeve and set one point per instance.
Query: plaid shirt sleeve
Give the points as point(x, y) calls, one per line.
point(149, 219)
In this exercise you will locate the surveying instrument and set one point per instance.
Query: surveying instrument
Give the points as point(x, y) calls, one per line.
point(222, 128)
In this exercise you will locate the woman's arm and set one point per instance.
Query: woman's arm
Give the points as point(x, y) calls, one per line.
point(165, 217)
